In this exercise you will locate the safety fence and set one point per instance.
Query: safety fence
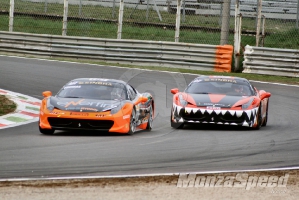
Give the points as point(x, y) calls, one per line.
point(271, 61)
point(200, 21)
point(135, 52)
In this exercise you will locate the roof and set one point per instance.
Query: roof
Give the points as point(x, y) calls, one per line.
point(221, 77)
point(98, 79)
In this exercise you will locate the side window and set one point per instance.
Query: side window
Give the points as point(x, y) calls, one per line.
point(252, 88)
point(131, 92)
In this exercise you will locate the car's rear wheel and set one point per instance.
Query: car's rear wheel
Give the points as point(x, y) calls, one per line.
point(266, 118)
point(177, 125)
point(46, 131)
point(132, 125)
point(150, 119)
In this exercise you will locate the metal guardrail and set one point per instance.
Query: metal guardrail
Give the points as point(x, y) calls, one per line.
point(134, 52)
point(271, 61)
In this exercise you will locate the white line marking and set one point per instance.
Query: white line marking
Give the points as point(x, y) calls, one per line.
point(145, 175)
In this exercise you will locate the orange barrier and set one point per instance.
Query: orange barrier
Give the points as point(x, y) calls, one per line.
point(224, 57)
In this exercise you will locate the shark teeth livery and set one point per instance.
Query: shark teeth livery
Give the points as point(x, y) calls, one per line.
point(220, 100)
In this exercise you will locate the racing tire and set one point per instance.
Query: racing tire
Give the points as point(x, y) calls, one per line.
point(259, 119)
point(150, 119)
point(132, 125)
point(176, 125)
point(46, 131)
point(266, 118)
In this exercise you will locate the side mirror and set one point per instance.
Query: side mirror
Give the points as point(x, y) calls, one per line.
point(265, 95)
point(141, 100)
point(174, 90)
point(47, 93)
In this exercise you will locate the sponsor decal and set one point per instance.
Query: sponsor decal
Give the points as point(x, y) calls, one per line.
point(73, 83)
point(144, 120)
point(72, 104)
point(98, 79)
point(213, 108)
point(214, 104)
point(240, 180)
point(221, 80)
point(197, 81)
point(79, 113)
point(94, 83)
point(57, 113)
point(91, 109)
point(126, 116)
point(72, 86)
point(101, 115)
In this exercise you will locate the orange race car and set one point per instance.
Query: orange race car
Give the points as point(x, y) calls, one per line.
point(220, 100)
point(96, 104)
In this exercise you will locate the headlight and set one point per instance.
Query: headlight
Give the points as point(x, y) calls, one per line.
point(50, 107)
point(113, 109)
point(183, 102)
point(246, 105)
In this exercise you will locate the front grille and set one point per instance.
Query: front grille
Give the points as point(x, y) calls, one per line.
point(227, 117)
point(213, 117)
point(66, 123)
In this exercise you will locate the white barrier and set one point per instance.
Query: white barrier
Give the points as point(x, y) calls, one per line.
point(271, 61)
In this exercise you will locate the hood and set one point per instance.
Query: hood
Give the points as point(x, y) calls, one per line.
point(83, 105)
point(217, 100)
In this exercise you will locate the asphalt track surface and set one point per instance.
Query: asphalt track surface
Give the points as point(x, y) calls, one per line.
point(25, 153)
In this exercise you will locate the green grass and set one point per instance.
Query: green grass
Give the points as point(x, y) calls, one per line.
point(6, 105)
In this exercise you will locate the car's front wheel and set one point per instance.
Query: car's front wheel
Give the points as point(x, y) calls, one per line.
point(132, 125)
point(150, 119)
point(46, 131)
point(266, 118)
point(177, 125)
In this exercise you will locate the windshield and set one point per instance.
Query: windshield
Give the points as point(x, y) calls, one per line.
point(233, 88)
point(94, 91)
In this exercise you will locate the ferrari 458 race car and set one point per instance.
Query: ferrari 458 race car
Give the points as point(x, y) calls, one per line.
point(220, 100)
point(96, 104)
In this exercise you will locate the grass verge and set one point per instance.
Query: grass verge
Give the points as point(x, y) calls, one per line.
point(6, 105)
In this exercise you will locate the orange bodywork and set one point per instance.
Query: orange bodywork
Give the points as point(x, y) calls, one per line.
point(121, 119)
